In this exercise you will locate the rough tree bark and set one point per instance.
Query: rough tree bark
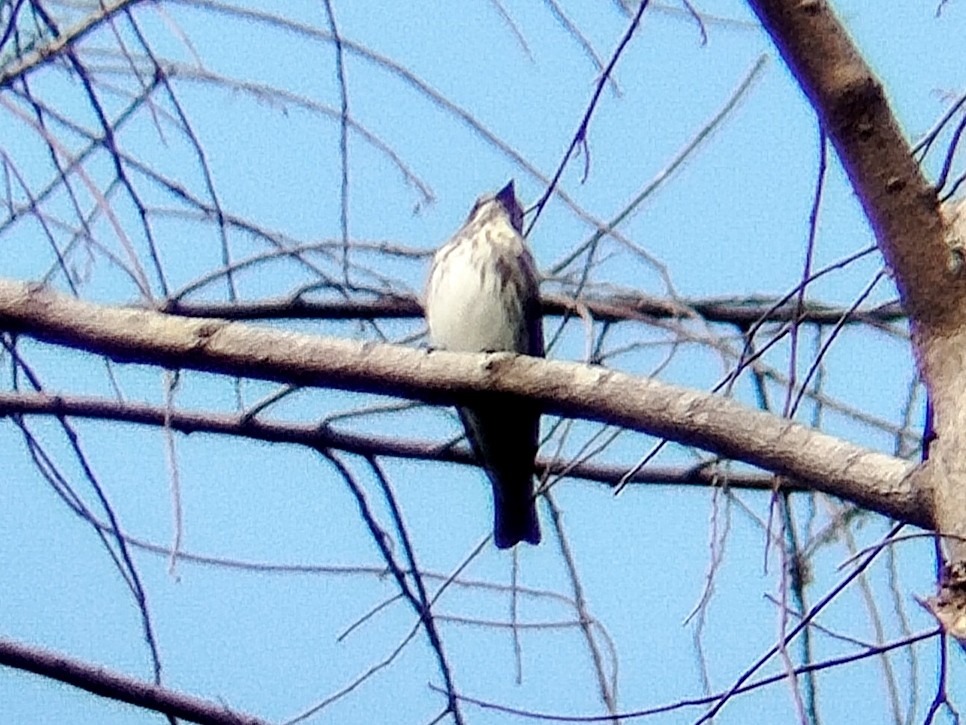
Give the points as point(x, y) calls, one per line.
point(918, 240)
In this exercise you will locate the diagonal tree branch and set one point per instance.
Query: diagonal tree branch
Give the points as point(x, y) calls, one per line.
point(101, 681)
point(901, 205)
point(39, 57)
point(922, 243)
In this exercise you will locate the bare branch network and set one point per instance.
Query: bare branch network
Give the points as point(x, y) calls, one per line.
point(189, 181)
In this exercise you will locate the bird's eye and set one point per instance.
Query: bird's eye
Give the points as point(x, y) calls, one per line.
point(477, 205)
point(476, 208)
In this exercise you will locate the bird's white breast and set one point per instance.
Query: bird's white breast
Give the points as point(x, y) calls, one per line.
point(469, 311)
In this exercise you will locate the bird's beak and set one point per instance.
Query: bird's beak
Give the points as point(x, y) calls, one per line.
point(507, 196)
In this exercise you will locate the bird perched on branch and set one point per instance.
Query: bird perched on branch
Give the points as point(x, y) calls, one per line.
point(483, 296)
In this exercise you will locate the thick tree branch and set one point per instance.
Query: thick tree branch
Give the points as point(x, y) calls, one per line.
point(901, 205)
point(923, 248)
point(871, 480)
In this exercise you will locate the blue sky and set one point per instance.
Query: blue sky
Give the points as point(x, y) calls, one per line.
point(732, 221)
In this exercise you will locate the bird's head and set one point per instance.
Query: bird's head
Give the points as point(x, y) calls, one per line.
point(502, 203)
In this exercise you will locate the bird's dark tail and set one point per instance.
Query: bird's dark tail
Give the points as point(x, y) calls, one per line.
point(503, 435)
point(515, 516)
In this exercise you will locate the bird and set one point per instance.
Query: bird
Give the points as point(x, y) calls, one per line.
point(483, 295)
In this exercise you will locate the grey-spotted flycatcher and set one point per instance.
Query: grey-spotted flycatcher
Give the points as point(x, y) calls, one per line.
point(483, 296)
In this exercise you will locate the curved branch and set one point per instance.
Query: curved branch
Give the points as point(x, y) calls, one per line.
point(922, 245)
